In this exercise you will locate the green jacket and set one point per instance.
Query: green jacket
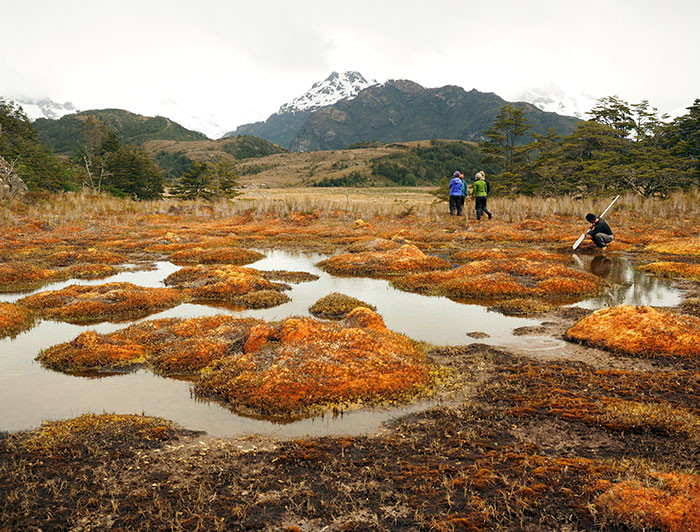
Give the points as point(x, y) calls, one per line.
point(479, 189)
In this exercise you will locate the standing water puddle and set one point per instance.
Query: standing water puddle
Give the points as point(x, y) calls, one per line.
point(30, 394)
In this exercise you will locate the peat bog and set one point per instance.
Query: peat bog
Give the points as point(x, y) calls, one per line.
point(499, 382)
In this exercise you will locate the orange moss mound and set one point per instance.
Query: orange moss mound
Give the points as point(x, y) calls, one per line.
point(373, 244)
point(93, 256)
point(673, 270)
point(91, 271)
point(336, 306)
point(228, 255)
point(233, 284)
point(639, 331)
point(685, 246)
point(487, 281)
point(303, 365)
point(404, 260)
point(110, 301)
point(470, 255)
point(14, 319)
point(666, 501)
point(169, 346)
point(19, 276)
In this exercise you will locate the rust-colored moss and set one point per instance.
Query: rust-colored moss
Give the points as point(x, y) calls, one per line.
point(678, 270)
point(489, 281)
point(470, 255)
point(305, 364)
point(677, 246)
point(91, 271)
point(232, 284)
point(14, 319)
point(20, 276)
point(337, 306)
point(660, 501)
point(169, 346)
point(639, 331)
point(90, 256)
point(404, 260)
point(373, 245)
point(691, 306)
point(110, 301)
point(227, 255)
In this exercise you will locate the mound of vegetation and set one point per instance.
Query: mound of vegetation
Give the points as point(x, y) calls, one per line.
point(674, 270)
point(93, 304)
point(21, 276)
point(231, 284)
point(337, 306)
point(14, 319)
point(223, 255)
point(303, 365)
point(169, 346)
point(489, 281)
point(639, 331)
point(406, 259)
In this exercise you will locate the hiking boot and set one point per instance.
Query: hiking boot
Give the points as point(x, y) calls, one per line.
point(490, 216)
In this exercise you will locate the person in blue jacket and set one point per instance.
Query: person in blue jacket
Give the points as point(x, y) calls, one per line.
point(456, 185)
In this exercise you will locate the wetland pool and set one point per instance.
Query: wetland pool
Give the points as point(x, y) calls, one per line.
point(30, 394)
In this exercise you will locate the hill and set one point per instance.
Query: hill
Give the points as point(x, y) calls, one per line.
point(65, 134)
point(409, 163)
point(175, 156)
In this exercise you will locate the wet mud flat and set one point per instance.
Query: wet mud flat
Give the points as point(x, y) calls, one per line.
point(533, 433)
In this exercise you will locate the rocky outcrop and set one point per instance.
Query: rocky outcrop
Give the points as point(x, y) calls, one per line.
point(11, 185)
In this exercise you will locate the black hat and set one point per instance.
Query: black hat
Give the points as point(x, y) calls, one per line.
point(591, 217)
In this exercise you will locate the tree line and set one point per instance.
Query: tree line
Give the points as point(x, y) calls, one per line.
point(622, 147)
point(101, 163)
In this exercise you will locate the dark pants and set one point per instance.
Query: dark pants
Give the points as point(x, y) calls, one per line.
point(602, 239)
point(480, 204)
point(456, 205)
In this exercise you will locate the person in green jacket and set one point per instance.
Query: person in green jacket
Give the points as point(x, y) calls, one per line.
point(480, 191)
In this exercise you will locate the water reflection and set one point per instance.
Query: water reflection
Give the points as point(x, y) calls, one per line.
point(30, 394)
point(627, 285)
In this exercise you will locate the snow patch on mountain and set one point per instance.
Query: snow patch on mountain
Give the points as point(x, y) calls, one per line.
point(334, 88)
point(43, 108)
point(553, 99)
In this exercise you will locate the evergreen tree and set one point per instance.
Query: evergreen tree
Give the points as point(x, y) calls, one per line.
point(132, 174)
point(683, 137)
point(501, 144)
point(207, 181)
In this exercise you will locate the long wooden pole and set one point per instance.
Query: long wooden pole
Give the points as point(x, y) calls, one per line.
point(580, 239)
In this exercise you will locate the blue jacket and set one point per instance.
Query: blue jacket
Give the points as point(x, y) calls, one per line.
point(465, 190)
point(455, 186)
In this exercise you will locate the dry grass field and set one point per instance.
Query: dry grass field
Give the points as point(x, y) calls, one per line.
point(602, 433)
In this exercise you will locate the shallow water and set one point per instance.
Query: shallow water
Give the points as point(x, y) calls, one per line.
point(30, 394)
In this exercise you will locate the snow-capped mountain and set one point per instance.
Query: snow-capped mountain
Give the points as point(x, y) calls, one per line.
point(334, 88)
point(44, 108)
point(553, 99)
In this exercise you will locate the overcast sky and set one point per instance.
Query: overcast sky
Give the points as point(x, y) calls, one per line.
point(240, 60)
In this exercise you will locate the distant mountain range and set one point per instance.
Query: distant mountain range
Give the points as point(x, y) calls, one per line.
point(395, 111)
point(343, 109)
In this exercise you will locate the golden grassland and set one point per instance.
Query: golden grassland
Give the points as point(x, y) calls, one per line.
point(514, 443)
